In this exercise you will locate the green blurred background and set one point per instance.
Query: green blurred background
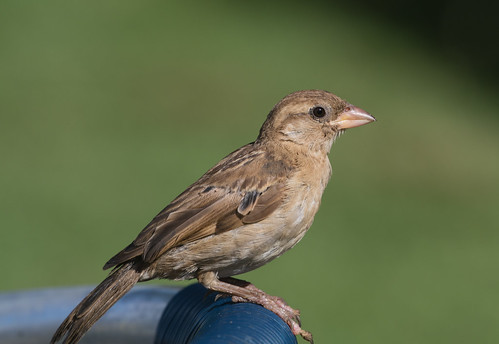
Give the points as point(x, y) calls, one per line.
point(109, 109)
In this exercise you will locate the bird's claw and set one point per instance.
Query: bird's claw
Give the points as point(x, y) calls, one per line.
point(290, 315)
point(223, 296)
point(297, 330)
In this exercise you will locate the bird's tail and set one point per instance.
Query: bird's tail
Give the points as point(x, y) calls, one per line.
point(92, 307)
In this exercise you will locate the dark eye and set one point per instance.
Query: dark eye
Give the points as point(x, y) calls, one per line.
point(318, 111)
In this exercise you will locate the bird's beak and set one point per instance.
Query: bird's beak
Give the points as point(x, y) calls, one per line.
point(352, 117)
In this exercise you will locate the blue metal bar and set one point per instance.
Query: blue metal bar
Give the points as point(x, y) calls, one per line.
point(147, 314)
point(194, 317)
point(31, 317)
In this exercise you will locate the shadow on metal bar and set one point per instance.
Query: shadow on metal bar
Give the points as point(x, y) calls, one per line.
point(147, 314)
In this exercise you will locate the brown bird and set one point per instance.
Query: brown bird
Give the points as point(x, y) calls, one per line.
point(250, 208)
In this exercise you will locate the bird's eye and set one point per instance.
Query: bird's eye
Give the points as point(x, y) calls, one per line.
point(318, 111)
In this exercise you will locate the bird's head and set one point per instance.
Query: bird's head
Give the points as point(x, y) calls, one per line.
point(311, 119)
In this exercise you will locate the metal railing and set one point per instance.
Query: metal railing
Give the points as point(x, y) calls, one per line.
point(147, 314)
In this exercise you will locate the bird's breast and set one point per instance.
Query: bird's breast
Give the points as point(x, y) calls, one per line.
point(252, 245)
point(304, 198)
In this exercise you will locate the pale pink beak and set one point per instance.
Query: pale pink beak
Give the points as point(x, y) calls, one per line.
point(352, 117)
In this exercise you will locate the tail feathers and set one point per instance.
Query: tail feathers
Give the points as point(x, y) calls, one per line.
point(92, 307)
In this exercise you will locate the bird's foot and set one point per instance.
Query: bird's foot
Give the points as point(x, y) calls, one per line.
point(242, 291)
point(275, 304)
point(290, 315)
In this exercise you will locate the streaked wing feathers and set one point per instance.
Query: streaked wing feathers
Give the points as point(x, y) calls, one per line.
point(267, 203)
point(221, 200)
point(200, 225)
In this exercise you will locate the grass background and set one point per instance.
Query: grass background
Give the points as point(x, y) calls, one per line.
point(108, 110)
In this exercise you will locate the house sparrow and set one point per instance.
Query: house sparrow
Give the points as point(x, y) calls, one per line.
point(250, 208)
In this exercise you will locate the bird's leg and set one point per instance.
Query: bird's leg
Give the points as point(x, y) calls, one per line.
point(242, 291)
point(279, 301)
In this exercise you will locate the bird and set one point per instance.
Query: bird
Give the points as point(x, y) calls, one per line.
point(251, 207)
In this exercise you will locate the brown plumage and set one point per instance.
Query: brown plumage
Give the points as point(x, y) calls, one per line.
point(250, 208)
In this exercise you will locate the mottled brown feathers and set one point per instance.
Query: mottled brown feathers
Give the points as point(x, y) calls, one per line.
point(221, 200)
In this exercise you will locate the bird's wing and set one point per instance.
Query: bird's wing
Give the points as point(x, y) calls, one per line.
point(245, 187)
